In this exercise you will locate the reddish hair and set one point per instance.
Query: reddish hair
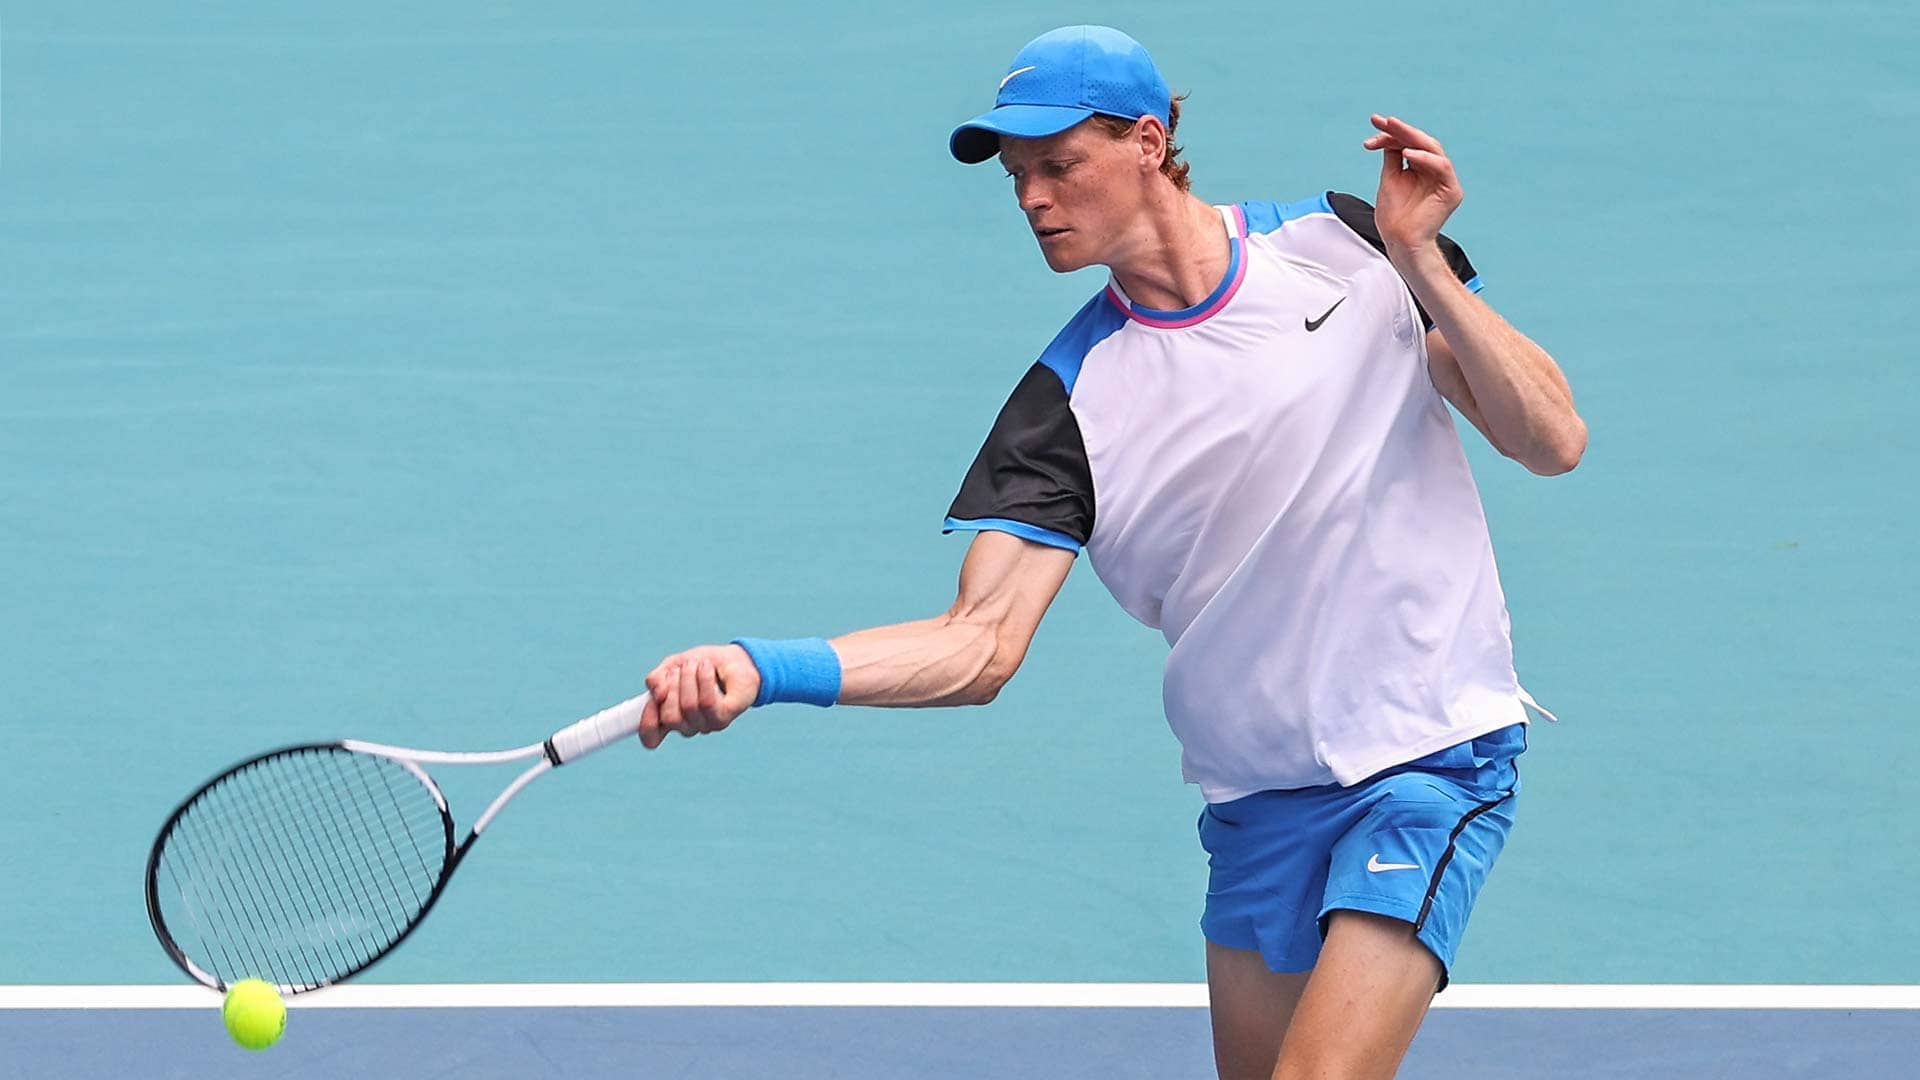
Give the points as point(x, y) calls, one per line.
point(1171, 166)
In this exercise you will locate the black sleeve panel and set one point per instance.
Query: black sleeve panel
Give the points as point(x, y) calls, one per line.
point(1033, 468)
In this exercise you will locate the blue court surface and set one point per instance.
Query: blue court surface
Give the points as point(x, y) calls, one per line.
point(906, 1031)
point(422, 373)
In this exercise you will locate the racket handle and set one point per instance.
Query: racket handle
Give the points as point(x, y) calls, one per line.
point(596, 732)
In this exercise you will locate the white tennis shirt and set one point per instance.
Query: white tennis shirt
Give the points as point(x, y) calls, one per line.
point(1271, 479)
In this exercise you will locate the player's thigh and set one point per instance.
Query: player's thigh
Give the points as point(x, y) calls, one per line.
point(1366, 998)
point(1251, 1006)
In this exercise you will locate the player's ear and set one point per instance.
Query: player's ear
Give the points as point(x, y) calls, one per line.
point(1151, 136)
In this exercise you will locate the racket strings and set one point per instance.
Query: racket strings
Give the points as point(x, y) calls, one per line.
point(237, 897)
point(361, 870)
point(366, 875)
point(302, 867)
point(327, 878)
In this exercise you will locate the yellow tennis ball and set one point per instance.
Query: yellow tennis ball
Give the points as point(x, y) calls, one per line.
point(254, 1013)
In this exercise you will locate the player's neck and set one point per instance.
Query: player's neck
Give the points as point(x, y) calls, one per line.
point(1179, 254)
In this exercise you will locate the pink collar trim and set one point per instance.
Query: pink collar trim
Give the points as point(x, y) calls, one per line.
point(1235, 220)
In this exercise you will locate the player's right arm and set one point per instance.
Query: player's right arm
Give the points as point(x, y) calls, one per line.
point(1028, 498)
point(966, 655)
point(961, 657)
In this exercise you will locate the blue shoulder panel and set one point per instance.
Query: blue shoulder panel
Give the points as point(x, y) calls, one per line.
point(1093, 323)
point(1268, 216)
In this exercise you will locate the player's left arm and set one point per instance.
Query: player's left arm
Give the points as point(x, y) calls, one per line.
point(1504, 384)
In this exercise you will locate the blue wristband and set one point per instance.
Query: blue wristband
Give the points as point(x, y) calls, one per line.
point(803, 670)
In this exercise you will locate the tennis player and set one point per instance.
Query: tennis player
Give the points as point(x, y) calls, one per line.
point(1246, 429)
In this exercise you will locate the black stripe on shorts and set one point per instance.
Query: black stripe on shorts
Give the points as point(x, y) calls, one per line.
point(1433, 886)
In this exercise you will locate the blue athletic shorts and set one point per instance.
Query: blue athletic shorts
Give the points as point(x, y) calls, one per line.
point(1413, 843)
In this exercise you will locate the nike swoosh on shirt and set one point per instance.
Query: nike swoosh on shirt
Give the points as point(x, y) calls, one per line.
point(1314, 324)
point(1374, 865)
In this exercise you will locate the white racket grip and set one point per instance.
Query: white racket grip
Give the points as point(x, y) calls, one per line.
point(598, 731)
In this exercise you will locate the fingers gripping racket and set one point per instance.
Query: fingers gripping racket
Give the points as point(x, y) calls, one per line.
point(305, 865)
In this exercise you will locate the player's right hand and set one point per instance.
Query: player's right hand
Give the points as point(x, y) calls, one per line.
point(697, 691)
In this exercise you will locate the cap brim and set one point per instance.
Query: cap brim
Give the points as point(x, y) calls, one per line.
point(979, 138)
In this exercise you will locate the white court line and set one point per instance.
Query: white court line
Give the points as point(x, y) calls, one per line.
point(949, 995)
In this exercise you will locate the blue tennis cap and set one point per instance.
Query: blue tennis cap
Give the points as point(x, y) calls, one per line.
point(1059, 79)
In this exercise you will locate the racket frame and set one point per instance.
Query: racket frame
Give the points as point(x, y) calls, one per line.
point(569, 744)
point(407, 758)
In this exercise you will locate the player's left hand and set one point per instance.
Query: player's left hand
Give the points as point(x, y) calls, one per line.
point(697, 691)
point(1418, 190)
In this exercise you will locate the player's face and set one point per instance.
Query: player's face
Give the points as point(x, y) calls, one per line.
point(1079, 190)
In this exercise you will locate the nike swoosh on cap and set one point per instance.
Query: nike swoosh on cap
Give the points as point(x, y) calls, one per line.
point(1374, 865)
point(1011, 74)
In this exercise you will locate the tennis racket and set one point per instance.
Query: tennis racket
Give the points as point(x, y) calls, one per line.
point(305, 865)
